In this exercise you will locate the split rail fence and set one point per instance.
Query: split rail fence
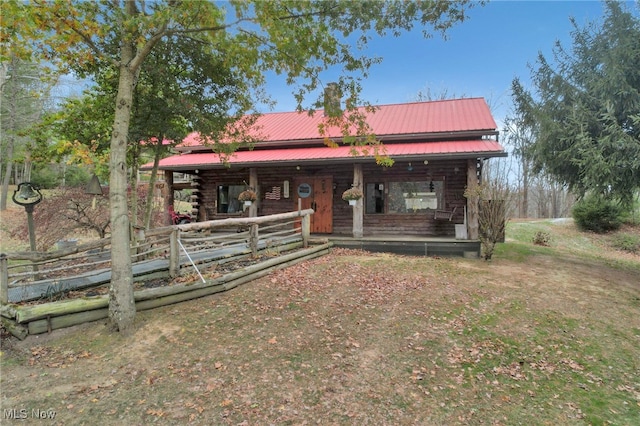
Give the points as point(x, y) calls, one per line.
point(44, 278)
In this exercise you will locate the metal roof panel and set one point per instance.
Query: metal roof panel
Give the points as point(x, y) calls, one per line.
point(486, 147)
point(456, 115)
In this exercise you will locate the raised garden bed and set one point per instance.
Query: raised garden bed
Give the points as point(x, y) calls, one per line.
point(89, 305)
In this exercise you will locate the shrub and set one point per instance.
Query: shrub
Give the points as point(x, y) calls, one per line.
point(597, 214)
point(45, 177)
point(77, 176)
point(542, 238)
point(627, 242)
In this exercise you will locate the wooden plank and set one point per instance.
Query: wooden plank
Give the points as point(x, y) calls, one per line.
point(322, 219)
point(8, 311)
point(64, 307)
point(17, 330)
point(54, 323)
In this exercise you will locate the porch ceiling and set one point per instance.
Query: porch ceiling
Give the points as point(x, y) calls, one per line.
point(270, 157)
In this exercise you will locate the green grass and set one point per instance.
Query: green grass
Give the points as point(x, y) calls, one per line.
point(567, 240)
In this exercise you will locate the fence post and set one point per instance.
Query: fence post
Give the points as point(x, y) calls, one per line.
point(4, 279)
point(305, 229)
point(253, 239)
point(174, 253)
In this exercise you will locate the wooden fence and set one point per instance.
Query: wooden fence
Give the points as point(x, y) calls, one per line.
point(201, 243)
point(159, 252)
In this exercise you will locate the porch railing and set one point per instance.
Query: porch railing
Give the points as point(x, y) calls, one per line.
point(155, 253)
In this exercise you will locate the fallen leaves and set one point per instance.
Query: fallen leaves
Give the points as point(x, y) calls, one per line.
point(156, 412)
point(55, 357)
point(392, 340)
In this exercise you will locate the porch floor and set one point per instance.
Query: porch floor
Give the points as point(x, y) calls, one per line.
point(407, 244)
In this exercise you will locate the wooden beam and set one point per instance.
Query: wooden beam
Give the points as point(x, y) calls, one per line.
point(253, 183)
point(4, 279)
point(253, 239)
point(472, 199)
point(305, 229)
point(229, 222)
point(31, 313)
point(17, 330)
point(168, 195)
point(174, 254)
point(358, 209)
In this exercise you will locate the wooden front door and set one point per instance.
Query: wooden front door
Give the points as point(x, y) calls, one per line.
point(316, 193)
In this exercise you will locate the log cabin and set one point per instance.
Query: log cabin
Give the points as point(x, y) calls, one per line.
point(416, 206)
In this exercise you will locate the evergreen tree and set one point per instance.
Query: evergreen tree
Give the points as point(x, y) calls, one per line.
point(586, 107)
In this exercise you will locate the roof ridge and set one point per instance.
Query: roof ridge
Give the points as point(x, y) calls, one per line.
point(380, 105)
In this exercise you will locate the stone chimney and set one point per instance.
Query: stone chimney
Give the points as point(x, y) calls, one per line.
point(332, 100)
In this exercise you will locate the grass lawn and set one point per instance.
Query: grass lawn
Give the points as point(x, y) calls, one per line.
point(540, 335)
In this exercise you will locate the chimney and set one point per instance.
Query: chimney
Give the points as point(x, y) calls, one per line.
point(332, 100)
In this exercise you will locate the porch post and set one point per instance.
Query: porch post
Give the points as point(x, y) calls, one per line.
point(253, 183)
point(168, 196)
point(472, 199)
point(358, 209)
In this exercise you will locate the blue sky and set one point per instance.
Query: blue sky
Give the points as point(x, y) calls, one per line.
point(480, 58)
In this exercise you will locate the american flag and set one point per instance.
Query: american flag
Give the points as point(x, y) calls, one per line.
point(274, 194)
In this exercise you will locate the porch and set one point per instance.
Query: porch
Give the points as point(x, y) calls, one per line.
point(407, 245)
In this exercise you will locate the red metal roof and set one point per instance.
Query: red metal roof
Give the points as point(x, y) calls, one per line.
point(443, 149)
point(446, 116)
point(440, 129)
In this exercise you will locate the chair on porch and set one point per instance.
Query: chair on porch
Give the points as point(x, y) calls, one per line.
point(444, 214)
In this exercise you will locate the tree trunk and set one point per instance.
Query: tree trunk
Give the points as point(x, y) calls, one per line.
point(7, 175)
point(122, 308)
point(152, 183)
point(4, 192)
point(524, 212)
point(133, 183)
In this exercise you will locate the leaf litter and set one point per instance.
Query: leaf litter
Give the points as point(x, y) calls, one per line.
point(356, 338)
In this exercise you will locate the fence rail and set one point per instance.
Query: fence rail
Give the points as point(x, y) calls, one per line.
point(161, 251)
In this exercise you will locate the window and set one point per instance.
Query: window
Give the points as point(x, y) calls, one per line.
point(374, 198)
point(228, 198)
point(413, 197)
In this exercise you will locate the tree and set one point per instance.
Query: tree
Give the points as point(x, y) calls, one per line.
point(24, 91)
point(521, 133)
point(296, 39)
point(171, 98)
point(586, 106)
point(495, 199)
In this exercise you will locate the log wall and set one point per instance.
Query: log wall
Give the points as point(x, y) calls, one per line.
point(271, 179)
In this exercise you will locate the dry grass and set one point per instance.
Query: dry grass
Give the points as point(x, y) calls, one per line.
point(549, 335)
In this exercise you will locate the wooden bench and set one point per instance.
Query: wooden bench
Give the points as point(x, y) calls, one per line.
point(444, 214)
